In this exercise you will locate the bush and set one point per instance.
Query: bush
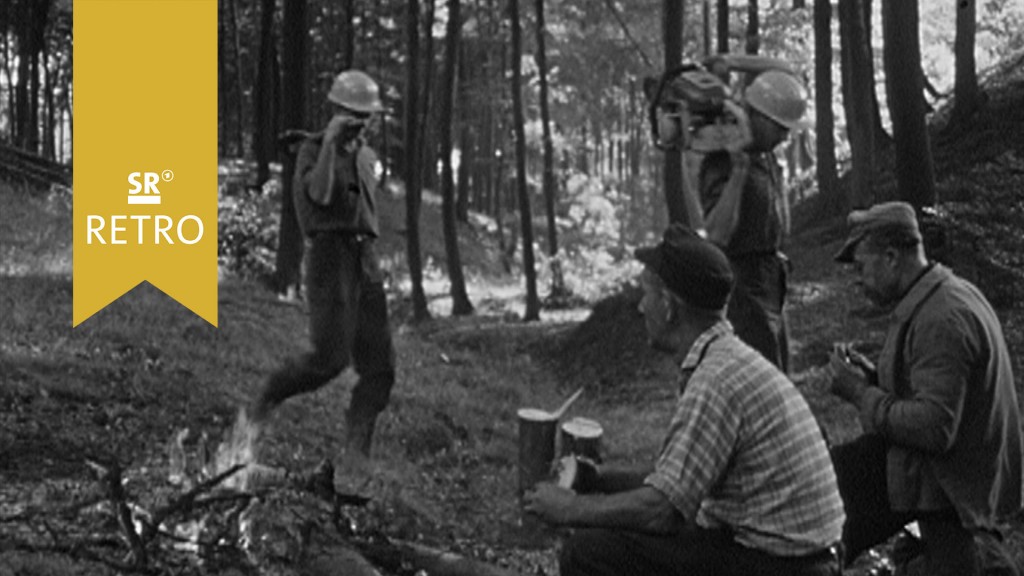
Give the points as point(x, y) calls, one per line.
point(248, 220)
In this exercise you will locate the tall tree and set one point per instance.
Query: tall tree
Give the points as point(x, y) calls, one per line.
point(413, 190)
point(753, 44)
point(265, 129)
point(461, 306)
point(904, 83)
point(722, 14)
point(347, 54)
point(239, 101)
point(706, 26)
point(548, 182)
point(858, 90)
point(288, 262)
point(525, 215)
point(825, 165)
point(965, 89)
point(672, 36)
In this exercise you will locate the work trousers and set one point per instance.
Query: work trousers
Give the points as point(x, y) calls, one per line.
point(348, 325)
point(756, 307)
point(947, 547)
point(694, 552)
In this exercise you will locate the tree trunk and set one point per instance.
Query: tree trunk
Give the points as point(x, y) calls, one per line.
point(8, 58)
point(673, 174)
point(290, 246)
point(348, 35)
point(427, 140)
point(263, 131)
point(828, 179)
point(467, 145)
point(904, 82)
point(222, 86)
point(525, 216)
point(858, 83)
point(413, 192)
point(48, 124)
point(753, 28)
point(238, 91)
point(706, 26)
point(549, 183)
point(881, 138)
point(965, 90)
point(461, 306)
point(722, 12)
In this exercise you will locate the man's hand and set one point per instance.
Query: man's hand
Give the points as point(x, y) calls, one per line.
point(550, 502)
point(851, 373)
point(343, 128)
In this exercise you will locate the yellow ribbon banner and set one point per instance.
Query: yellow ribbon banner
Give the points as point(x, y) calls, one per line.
point(145, 152)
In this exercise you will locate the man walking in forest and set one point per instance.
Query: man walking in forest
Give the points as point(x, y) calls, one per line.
point(942, 443)
point(747, 215)
point(335, 190)
point(743, 485)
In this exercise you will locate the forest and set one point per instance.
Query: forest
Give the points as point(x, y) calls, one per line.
point(520, 171)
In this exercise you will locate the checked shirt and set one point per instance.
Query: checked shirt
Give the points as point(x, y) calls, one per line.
point(744, 452)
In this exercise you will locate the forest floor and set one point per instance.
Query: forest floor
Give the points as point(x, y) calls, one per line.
point(144, 380)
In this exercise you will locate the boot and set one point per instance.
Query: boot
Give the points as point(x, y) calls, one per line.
point(359, 431)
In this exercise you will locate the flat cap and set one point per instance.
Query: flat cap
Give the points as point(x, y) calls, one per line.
point(887, 215)
point(691, 267)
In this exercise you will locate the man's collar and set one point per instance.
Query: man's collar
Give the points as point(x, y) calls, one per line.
point(921, 287)
point(696, 352)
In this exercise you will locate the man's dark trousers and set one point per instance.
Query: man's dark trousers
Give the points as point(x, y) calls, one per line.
point(693, 552)
point(348, 325)
point(949, 549)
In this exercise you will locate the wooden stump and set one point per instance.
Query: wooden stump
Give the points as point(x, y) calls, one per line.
point(582, 437)
point(536, 447)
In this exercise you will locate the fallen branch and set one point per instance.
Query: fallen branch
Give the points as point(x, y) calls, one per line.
point(187, 500)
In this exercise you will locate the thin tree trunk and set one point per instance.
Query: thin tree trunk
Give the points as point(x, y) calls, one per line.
point(828, 179)
point(525, 216)
point(915, 172)
point(548, 182)
point(428, 141)
point(461, 306)
point(706, 26)
point(858, 86)
point(673, 174)
point(722, 12)
point(881, 138)
point(967, 97)
point(348, 35)
point(467, 152)
point(288, 262)
point(753, 44)
point(413, 193)
point(263, 130)
point(8, 59)
point(240, 97)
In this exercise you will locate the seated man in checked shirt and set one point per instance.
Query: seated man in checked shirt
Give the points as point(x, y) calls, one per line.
point(743, 486)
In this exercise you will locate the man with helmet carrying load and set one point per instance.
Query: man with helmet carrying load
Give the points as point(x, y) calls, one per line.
point(335, 187)
point(746, 213)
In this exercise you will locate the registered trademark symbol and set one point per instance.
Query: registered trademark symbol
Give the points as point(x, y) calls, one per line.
point(167, 175)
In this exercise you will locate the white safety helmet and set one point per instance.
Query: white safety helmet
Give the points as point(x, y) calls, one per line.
point(356, 91)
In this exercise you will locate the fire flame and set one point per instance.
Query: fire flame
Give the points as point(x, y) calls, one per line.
point(238, 448)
